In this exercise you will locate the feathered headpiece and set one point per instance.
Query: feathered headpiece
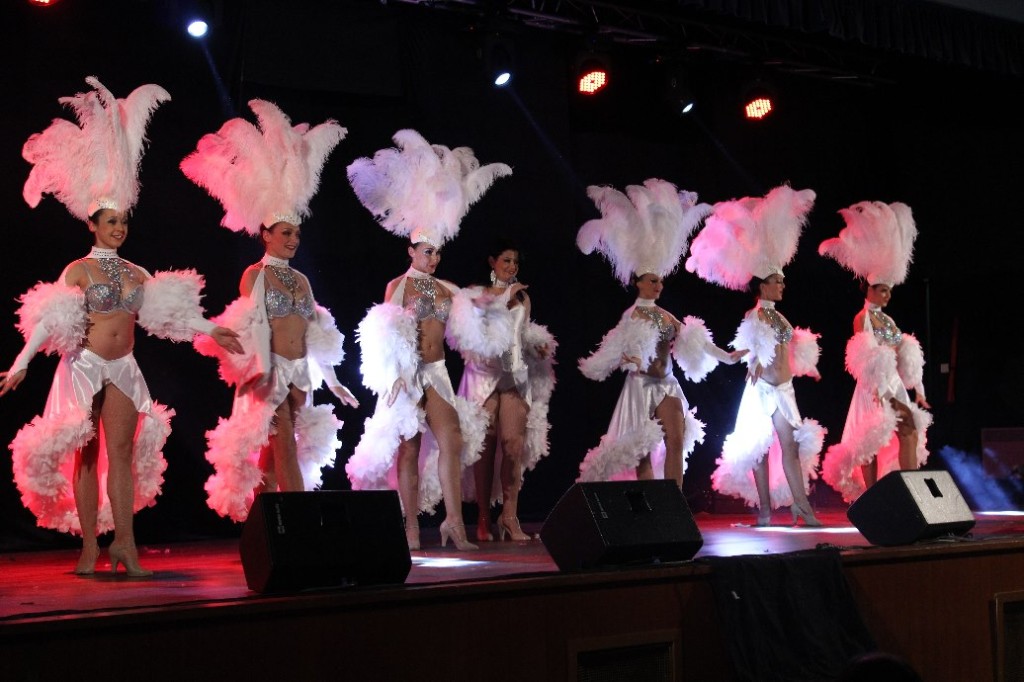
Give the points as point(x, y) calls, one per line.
point(419, 190)
point(645, 230)
point(877, 242)
point(265, 175)
point(94, 164)
point(750, 237)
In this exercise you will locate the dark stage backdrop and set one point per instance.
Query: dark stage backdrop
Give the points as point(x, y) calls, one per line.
point(944, 140)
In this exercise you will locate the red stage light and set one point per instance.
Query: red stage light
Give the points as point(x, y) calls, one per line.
point(593, 81)
point(758, 107)
point(43, 3)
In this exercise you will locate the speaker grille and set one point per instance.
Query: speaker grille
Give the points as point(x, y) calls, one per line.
point(648, 662)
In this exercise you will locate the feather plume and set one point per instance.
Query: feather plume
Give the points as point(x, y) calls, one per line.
point(644, 230)
point(877, 242)
point(93, 164)
point(417, 186)
point(266, 174)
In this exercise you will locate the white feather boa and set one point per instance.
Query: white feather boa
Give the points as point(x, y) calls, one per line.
point(541, 371)
point(59, 310)
point(804, 352)
point(758, 338)
point(236, 369)
point(635, 337)
point(389, 344)
point(486, 331)
point(868, 361)
point(172, 308)
point(910, 363)
point(43, 462)
point(690, 349)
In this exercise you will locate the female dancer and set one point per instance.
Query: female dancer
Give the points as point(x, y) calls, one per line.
point(275, 438)
point(885, 429)
point(514, 389)
point(88, 317)
point(748, 242)
point(653, 429)
point(421, 433)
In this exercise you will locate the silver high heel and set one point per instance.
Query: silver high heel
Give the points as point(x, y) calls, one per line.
point(512, 529)
point(129, 558)
point(456, 532)
point(806, 514)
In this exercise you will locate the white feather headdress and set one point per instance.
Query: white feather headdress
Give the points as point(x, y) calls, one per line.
point(750, 237)
point(877, 242)
point(645, 230)
point(262, 175)
point(419, 190)
point(94, 164)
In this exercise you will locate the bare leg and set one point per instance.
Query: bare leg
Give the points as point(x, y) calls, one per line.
point(870, 472)
point(483, 471)
point(409, 487)
point(286, 463)
point(906, 433)
point(443, 421)
point(791, 467)
point(670, 414)
point(120, 420)
point(269, 482)
point(86, 486)
point(644, 469)
point(512, 427)
point(764, 498)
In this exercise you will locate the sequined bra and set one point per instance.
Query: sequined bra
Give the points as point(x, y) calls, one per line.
point(666, 330)
point(888, 333)
point(283, 303)
point(779, 324)
point(280, 304)
point(424, 304)
point(108, 297)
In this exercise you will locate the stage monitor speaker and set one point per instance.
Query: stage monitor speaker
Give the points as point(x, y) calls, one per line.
point(904, 507)
point(619, 523)
point(302, 540)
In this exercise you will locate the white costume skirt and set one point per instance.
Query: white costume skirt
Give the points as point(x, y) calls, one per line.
point(233, 447)
point(44, 450)
point(870, 433)
point(372, 465)
point(634, 432)
point(754, 436)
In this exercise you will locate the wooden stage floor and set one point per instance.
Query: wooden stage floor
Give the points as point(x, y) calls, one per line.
point(198, 595)
point(40, 585)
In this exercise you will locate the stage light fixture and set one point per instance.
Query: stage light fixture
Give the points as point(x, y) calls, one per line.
point(592, 73)
point(43, 3)
point(759, 101)
point(197, 28)
point(499, 61)
point(678, 93)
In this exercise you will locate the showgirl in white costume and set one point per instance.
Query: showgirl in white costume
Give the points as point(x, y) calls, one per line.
point(745, 244)
point(653, 429)
point(885, 429)
point(514, 389)
point(275, 438)
point(421, 434)
point(94, 456)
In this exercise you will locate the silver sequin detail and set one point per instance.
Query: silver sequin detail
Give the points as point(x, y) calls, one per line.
point(106, 297)
point(888, 333)
point(783, 329)
point(666, 330)
point(424, 305)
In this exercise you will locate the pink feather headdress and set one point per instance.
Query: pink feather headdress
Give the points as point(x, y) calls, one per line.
point(94, 164)
point(750, 237)
point(877, 242)
point(265, 175)
point(645, 230)
point(419, 190)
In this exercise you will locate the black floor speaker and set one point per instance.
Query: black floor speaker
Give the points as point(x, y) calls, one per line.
point(904, 507)
point(304, 540)
point(619, 523)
